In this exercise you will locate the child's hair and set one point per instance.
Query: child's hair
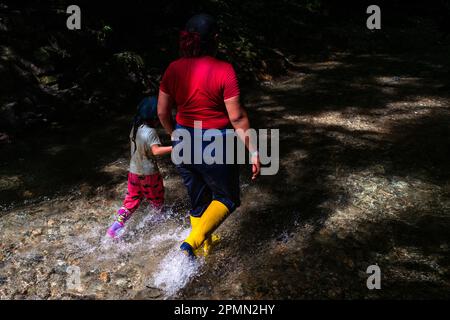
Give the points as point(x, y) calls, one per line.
point(146, 111)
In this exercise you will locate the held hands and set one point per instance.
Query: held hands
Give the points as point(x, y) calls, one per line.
point(158, 150)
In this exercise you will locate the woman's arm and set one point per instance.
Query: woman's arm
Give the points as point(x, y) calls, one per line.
point(239, 120)
point(165, 103)
point(158, 150)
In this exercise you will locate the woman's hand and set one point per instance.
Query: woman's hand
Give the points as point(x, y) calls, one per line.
point(256, 165)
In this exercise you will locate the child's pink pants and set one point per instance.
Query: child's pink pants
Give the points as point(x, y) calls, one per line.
point(148, 187)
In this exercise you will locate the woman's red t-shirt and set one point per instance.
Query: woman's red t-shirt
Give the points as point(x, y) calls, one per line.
point(199, 87)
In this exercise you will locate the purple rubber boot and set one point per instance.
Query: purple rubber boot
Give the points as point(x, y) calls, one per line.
point(117, 228)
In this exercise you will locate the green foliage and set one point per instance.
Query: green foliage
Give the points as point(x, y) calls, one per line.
point(129, 61)
point(103, 34)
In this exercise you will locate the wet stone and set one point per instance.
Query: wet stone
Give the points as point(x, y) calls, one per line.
point(148, 293)
point(33, 258)
point(60, 268)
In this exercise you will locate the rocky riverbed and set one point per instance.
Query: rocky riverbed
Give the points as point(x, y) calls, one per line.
point(363, 180)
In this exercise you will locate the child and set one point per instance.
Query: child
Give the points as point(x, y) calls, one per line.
point(144, 179)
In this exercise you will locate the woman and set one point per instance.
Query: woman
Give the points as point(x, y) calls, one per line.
point(205, 89)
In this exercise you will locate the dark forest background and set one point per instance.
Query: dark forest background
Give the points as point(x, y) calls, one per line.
point(50, 73)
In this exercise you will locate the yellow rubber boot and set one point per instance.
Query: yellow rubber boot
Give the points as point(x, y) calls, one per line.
point(207, 245)
point(213, 216)
point(209, 241)
point(194, 223)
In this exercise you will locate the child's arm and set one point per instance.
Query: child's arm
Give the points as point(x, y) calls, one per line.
point(158, 150)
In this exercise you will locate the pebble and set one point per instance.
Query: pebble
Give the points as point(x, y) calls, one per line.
point(238, 290)
point(36, 232)
point(63, 229)
point(122, 282)
point(105, 277)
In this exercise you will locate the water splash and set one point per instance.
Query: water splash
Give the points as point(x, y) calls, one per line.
point(146, 255)
point(175, 271)
point(142, 233)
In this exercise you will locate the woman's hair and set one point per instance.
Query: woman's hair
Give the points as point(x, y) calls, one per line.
point(146, 111)
point(199, 36)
